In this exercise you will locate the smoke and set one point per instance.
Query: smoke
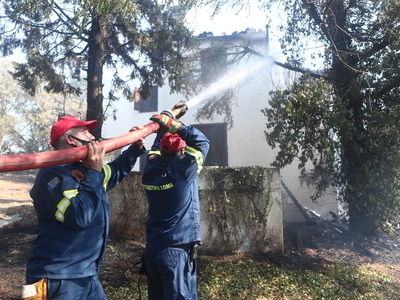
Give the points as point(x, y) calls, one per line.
point(232, 78)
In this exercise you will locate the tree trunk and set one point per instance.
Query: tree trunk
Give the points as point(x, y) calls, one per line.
point(356, 173)
point(361, 225)
point(95, 76)
point(344, 72)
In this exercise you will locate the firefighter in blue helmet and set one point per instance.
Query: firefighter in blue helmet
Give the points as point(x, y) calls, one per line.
point(173, 227)
point(74, 214)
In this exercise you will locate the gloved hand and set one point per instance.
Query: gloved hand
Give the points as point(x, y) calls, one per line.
point(181, 105)
point(169, 113)
point(167, 124)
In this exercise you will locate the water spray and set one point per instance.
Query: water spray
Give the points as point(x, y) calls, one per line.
point(20, 162)
point(229, 80)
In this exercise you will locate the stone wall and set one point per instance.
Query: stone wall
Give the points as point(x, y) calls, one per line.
point(241, 209)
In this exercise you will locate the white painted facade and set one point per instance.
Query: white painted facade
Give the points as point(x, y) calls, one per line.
point(246, 144)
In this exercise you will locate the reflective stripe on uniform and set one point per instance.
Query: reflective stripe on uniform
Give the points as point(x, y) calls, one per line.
point(158, 187)
point(107, 175)
point(197, 155)
point(64, 203)
point(152, 152)
point(193, 152)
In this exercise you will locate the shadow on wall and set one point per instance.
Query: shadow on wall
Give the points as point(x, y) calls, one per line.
point(241, 210)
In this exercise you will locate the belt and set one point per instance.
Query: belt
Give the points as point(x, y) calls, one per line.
point(185, 247)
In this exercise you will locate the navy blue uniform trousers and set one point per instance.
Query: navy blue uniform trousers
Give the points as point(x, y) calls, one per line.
point(172, 273)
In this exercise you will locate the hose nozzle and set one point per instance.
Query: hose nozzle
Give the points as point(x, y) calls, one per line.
point(180, 109)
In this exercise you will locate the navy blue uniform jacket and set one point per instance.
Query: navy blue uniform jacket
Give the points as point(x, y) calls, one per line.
point(172, 191)
point(73, 217)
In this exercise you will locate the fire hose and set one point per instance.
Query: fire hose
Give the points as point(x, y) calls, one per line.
point(20, 162)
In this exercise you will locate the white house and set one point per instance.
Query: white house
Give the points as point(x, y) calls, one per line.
point(244, 143)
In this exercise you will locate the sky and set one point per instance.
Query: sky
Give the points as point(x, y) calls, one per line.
point(228, 20)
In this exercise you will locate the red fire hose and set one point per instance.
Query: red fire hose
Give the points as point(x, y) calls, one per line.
point(20, 162)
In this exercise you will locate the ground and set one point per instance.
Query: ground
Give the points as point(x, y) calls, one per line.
point(318, 245)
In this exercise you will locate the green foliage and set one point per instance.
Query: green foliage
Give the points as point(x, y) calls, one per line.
point(25, 120)
point(243, 277)
point(136, 287)
point(58, 32)
point(251, 278)
point(77, 39)
point(345, 121)
point(303, 123)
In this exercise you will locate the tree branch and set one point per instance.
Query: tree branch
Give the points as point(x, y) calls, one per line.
point(317, 19)
point(68, 22)
point(300, 70)
point(394, 83)
point(287, 66)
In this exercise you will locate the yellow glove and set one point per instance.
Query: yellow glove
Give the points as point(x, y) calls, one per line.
point(167, 124)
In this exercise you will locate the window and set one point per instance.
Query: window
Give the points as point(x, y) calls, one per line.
point(217, 134)
point(148, 105)
point(213, 64)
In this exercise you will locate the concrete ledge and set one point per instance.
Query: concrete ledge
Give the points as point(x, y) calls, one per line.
point(241, 209)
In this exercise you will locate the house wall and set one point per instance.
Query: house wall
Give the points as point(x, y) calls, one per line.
point(246, 139)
